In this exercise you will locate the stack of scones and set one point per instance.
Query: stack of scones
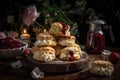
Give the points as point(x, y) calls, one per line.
point(56, 43)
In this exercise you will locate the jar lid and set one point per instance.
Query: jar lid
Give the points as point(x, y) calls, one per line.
point(95, 20)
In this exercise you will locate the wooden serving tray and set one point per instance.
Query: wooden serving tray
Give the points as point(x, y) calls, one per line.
point(59, 66)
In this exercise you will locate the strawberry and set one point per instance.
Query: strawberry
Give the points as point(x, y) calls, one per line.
point(114, 57)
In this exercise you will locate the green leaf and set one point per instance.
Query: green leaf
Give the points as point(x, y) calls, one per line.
point(51, 8)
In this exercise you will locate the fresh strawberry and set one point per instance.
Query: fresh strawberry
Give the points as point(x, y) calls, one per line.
point(114, 57)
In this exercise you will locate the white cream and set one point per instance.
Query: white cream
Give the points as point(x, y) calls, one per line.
point(44, 56)
point(48, 57)
point(68, 55)
point(44, 42)
point(64, 42)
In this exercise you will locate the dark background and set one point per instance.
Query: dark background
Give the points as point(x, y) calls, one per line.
point(108, 8)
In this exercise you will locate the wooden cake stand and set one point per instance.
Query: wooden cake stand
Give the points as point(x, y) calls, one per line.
point(59, 66)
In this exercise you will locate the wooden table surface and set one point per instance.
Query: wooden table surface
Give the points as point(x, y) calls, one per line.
point(24, 73)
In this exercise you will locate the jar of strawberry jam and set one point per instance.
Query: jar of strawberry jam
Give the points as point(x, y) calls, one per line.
point(95, 41)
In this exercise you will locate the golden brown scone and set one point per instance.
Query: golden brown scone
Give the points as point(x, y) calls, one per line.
point(43, 54)
point(70, 54)
point(44, 35)
point(101, 67)
point(58, 49)
point(59, 29)
point(75, 45)
point(66, 41)
point(45, 39)
point(33, 49)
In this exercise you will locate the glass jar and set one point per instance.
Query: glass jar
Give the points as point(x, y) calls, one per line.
point(95, 42)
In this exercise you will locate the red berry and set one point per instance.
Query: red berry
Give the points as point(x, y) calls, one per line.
point(114, 57)
point(26, 51)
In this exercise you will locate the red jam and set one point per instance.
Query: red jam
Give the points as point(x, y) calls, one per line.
point(72, 58)
point(9, 43)
point(95, 42)
point(64, 28)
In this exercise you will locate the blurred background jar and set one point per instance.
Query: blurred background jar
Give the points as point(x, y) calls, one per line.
point(95, 41)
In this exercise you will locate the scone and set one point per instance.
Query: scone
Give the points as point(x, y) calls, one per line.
point(58, 49)
point(45, 39)
point(101, 67)
point(70, 54)
point(59, 29)
point(44, 54)
point(66, 41)
point(75, 45)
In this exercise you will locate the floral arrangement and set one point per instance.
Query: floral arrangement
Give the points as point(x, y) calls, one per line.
point(43, 12)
